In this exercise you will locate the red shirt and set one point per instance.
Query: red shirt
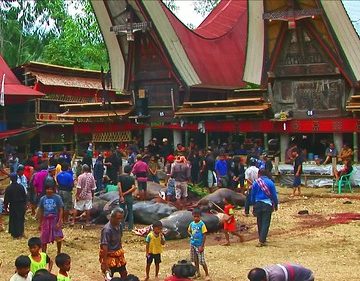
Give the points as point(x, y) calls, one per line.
point(229, 210)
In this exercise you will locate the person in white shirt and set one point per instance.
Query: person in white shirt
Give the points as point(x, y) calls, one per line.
point(251, 174)
point(22, 264)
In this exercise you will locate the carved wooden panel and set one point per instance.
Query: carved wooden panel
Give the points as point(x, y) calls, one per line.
point(301, 55)
point(123, 136)
point(323, 96)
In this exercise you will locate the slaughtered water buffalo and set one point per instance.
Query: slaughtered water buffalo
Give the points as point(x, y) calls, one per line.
point(147, 212)
point(153, 190)
point(217, 197)
point(175, 226)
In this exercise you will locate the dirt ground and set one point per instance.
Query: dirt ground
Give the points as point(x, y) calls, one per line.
point(326, 241)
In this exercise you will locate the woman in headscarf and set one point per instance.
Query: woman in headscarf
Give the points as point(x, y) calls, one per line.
point(15, 202)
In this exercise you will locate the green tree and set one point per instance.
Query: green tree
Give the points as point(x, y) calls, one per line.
point(21, 31)
point(46, 31)
point(205, 6)
point(81, 33)
point(171, 5)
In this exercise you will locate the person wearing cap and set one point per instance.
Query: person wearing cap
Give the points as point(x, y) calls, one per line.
point(65, 155)
point(15, 201)
point(51, 159)
point(165, 149)
point(85, 189)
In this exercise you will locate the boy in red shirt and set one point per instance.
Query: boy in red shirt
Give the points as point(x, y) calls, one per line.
point(230, 222)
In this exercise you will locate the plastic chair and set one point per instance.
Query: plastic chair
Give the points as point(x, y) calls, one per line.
point(343, 182)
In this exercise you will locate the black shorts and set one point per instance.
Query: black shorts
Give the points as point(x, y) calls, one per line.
point(155, 257)
point(142, 185)
point(121, 270)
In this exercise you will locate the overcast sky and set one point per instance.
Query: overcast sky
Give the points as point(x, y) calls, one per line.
point(187, 14)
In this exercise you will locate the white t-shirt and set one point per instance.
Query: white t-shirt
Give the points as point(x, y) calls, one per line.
point(251, 173)
point(17, 277)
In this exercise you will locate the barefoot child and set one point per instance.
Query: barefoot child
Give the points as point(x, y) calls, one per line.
point(39, 260)
point(197, 231)
point(22, 264)
point(63, 262)
point(154, 246)
point(230, 222)
point(50, 217)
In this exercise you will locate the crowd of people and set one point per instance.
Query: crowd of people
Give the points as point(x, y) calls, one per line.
point(48, 186)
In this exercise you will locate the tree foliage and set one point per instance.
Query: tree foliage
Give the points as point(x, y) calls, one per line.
point(171, 5)
point(80, 44)
point(58, 31)
point(204, 7)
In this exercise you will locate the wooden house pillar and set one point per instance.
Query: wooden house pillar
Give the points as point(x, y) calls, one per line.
point(266, 144)
point(284, 143)
point(177, 137)
point(355, 147)
point(147, 136)
point(338, 141)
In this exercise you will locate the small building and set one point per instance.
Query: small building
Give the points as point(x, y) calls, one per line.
point(68, 88)
point(15, 127)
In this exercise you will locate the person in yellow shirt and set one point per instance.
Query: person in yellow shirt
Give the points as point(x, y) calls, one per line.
point(154, 246)
point(39, 260)
point(63, 262)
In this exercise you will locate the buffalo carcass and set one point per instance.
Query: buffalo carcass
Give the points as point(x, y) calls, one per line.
point(217, 197)
point(176, 225)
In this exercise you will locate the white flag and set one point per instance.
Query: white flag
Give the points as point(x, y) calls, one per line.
point(2, 95)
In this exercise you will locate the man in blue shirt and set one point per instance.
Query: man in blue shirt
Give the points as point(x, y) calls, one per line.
point(65, 182)
point(221, 169)
point(264, 198)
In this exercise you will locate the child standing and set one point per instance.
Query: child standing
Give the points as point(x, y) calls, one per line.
point(230, 222)
point(154, 246)
point(50, 215)
point(22, 264)
point(63, 262)
point(197, 231)
point(39, 260)
point(170, 191)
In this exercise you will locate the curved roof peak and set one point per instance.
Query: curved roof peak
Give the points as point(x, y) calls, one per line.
point(222, 18)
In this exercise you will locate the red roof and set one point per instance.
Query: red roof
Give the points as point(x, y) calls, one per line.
point(15, 132)
point(217, 48)
point(15, 92)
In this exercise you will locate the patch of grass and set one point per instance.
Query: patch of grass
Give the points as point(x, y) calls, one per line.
point(198, 190)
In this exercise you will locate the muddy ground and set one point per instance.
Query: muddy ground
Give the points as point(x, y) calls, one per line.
point(326, 240)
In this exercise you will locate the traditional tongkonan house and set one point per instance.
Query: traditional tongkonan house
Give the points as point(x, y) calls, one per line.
point(15, 126)
point(272, 69)
point(67, 110)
